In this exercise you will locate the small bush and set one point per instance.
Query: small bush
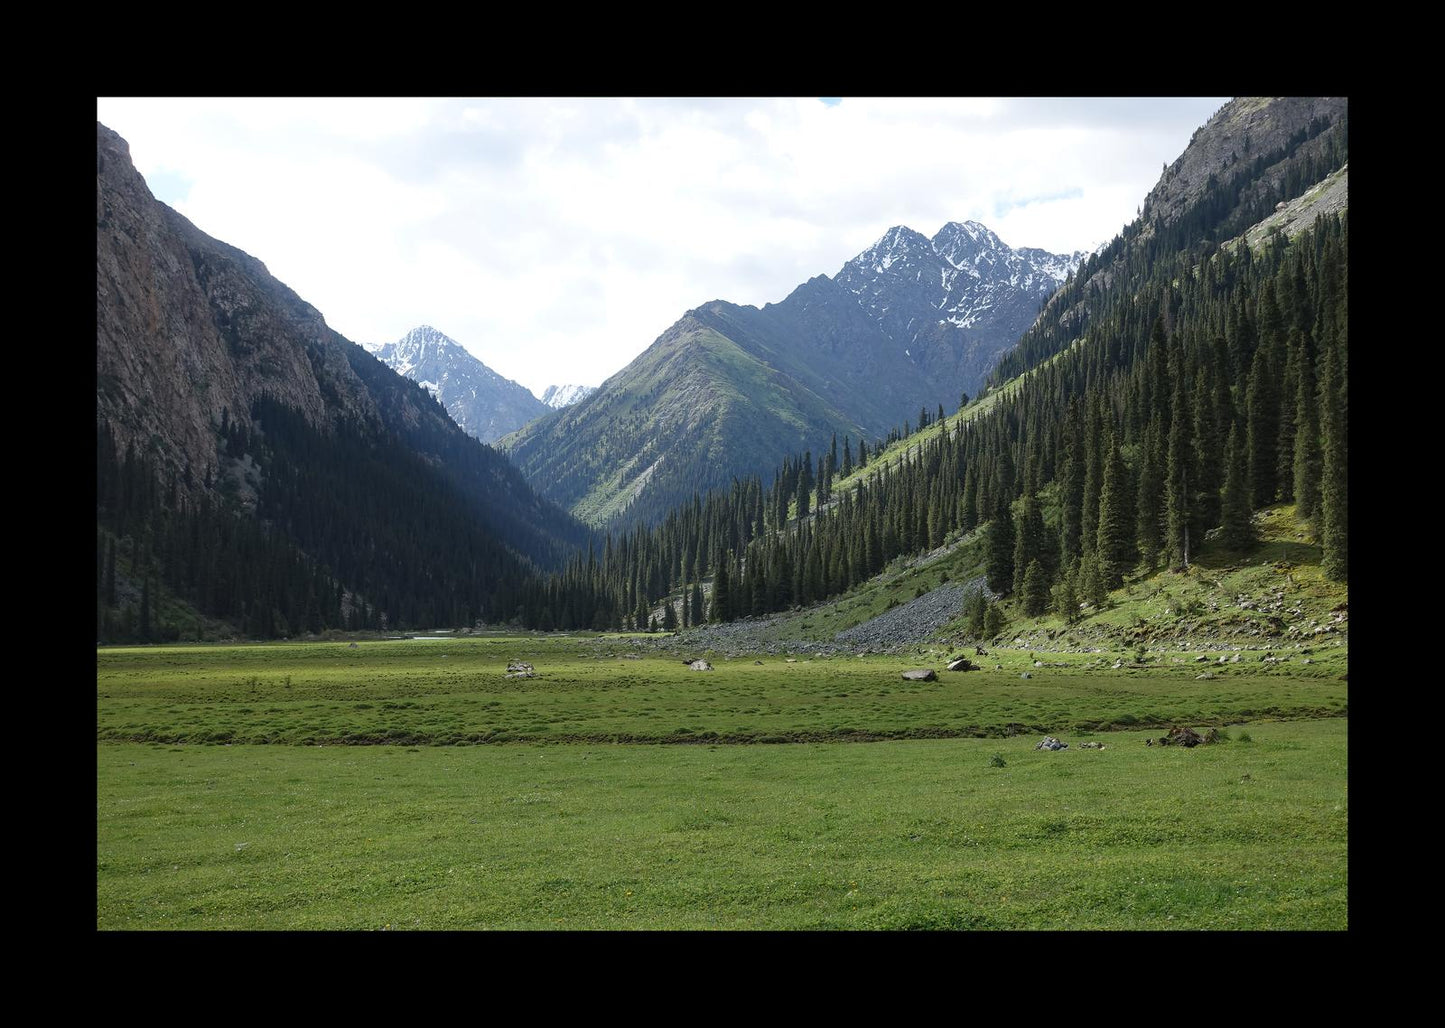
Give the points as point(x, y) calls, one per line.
point(997, 761)
point(1245, 737)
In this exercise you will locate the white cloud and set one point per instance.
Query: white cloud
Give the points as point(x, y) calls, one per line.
point(557, 239)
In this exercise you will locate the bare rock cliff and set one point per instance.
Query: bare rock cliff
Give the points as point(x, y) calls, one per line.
point(188, 327)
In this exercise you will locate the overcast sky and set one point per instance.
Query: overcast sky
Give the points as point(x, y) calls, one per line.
point(556, 239)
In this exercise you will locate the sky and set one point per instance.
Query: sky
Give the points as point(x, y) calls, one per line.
point(556, 239)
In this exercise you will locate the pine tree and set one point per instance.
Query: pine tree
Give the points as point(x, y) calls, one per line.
point(1094, 450)
point(1065, 594)
point(1236, 531)
point(721, 591)
point(1030, 543)
point(999, 548)
point(1262, 407)
point(1071, 483)
point(1177, 487)
point(1035, 590)
point(994, 621)
point(977, 606)
point(1208, 456)
point(1150, 501)
point(1115, 548)
point(1308, 459)
point(1092, 587)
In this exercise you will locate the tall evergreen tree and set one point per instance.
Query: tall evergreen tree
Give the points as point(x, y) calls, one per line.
point(1116, 553)
point(697, 612)
point(1178, 494)
point(1308, 459)
point(1262, 407)
point(1066, 595)
point(1030, 543)
point(721, 590)
point(1236, 530)
point(1035, 590)
point(999, 548)
point(1150, 502)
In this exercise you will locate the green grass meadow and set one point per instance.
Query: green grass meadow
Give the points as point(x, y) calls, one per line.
point(582, 810)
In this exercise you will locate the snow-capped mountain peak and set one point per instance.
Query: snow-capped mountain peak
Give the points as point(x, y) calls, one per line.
point(965, 289)
point(558, 396)
point(896, 245)
point(481, 401)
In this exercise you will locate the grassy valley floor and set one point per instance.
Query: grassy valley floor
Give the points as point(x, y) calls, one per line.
point(567, 829)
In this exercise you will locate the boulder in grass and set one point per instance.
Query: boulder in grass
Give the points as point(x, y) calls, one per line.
point(963, 664)
point(1050, 743)
point(923, 674)
point(518, 666)
point(700, 665)
point(1186, 737)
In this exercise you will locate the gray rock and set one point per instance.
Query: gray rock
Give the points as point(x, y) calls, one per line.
point(923, 674)
point(700, 665)
point(1050, 743)
point(963, 664)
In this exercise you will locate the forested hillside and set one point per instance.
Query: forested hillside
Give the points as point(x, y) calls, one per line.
point(1208, 382)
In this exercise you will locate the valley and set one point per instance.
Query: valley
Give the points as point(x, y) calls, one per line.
point(385, 642)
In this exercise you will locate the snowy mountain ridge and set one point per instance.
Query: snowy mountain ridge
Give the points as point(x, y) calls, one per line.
point(965, 273)
point(483, 403)
point(559, 396)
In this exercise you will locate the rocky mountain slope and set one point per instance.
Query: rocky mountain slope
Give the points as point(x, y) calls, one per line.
point(954, 302)
point(1256, 159)
point(232, 395)
point(482, 402)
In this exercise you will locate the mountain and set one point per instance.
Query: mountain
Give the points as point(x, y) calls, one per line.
point(482, 402)
point(559, 396)
point(957, 301)
point(1166, 467)
point(258, 468)
point(697, 408)
point(906, 326)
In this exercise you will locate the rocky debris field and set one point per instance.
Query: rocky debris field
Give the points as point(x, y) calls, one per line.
point(918, 620)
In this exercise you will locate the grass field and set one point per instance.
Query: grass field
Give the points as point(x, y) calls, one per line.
point(442, 692)
point(916, 832)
